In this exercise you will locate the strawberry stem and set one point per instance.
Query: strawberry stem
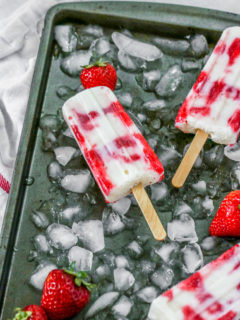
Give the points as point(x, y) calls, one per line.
point(98, 63)
point(21, 314)
point(79, 277)
point(239, 206)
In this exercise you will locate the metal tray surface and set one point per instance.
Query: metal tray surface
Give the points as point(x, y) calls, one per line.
point(31, 186)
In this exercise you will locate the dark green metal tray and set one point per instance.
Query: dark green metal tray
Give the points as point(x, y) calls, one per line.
point(160, 19)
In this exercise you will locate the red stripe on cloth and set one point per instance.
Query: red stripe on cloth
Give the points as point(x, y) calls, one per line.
point(4, 184)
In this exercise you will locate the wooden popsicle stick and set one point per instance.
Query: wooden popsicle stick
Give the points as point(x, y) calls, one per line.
point(189, 159)
point(149, 212)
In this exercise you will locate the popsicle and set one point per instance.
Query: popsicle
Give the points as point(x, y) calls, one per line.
point(212, 107)
point(213, 293)
point(118, 155)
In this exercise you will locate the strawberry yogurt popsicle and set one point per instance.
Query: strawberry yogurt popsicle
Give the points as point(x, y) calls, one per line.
point(115, 150)
point(213, 293)
point(212, 107)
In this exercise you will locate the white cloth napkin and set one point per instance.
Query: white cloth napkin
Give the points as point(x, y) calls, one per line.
point(20, 29)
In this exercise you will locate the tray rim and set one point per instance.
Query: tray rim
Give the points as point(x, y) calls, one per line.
point(12, 214)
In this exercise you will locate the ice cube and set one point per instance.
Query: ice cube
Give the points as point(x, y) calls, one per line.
point(90, 234)
point(104, 301)
point(136, 48)
point(121, 206)
point(163, 277)
point(154, 105)
point(159, 192)
point(64, 154)
point(148, 79)
point(49, 141)
point(182, 229)
point(121, 262)
point(125, 98)
point(68, 133)
point(94, 30)
point(147, 294)
point(232, 152)
point(192, 258)
point(41, 244)
point(198, 45)
point(168, 156)
point(207, 205)
point(102, 272)
point(108, 258)
point(77, 182)
point(49, 122)
point(200, 187)
point(170, 82)
point(129, 63)
point(123, 279)
point(235, 176)
point(100, 46)
point(54, 170)
point(82, 257)
point(61, 237)
point(190, 65)
point(73, 64)
point(112, 222)
point(122, 307)
point(66, 38)
point(166, 251)
point(73, 213)
point(134, 249)
point(40, 219)
point(182, 207)
point(64, 92)
point(172, 46)
point(208, 243)
point(40, 274)
point(214, 156)
point(198, 162)
point(147, 266)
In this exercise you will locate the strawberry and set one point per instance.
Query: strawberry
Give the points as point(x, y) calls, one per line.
point(99, 74)
point(227, 219)
point(31, 312)
point(65, 293)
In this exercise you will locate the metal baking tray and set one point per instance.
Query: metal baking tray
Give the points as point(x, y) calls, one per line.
point(30, 185)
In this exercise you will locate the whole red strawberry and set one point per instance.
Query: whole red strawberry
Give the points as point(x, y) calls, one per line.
point(227, 220)
point(31, 312)
point(65, 293)
point(99, 74)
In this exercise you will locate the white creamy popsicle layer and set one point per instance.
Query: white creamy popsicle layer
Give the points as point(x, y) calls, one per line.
point(115, 150)
point(213, 104)
point(213, 293)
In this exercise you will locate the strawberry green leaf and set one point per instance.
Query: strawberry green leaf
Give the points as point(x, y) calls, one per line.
point(21, 314)
point(98, 63)
point(79, 277)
